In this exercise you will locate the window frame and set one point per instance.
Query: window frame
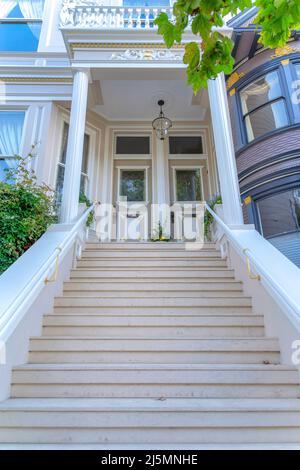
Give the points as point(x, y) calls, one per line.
point(285, 96)
point(23, 21)
point(282, 97)
point(174, 178)
point(144, 168)
point(188, 156)
point(60, 164)
point(123, 156)
point(21, 146)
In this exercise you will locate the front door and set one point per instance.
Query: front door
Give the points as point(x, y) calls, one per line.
point(132, 203)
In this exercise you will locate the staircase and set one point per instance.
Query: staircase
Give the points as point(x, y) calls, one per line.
point(152, 345)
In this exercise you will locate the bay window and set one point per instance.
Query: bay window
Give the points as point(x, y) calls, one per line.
point(11, 129)
point(263, 106)
point(20, 24)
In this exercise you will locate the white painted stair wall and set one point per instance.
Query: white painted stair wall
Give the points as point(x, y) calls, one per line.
point(151, 344)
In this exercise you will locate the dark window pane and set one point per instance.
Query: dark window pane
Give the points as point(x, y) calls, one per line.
point(59, 184)
point(185, 145)
point(280, 213)
point(133, 185)
point(85, 156)
point(261, 91)
point(19, 37)
point(133, 145)
point(266, 119)
point(64, 144)
point(188, 185)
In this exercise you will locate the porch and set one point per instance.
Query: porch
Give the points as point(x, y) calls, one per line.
point(121, 71)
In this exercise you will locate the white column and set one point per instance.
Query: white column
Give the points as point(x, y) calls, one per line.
point(225, 154)
point(70, 199)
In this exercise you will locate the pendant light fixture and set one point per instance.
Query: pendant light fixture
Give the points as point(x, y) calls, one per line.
point(161, 124)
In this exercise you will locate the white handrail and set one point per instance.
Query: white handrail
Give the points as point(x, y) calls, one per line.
point(271, 277)
point(37, 282)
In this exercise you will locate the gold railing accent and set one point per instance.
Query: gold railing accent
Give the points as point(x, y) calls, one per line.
point(55, 275)
point(254, 277)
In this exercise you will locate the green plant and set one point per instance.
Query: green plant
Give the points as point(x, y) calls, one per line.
point(26, 211)
point(158, 234)
point(210, 53)
point(208, 218)
point(83, 199)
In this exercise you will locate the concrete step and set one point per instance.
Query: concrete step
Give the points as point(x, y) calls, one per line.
point(165, 380)
point(153, 302)
point(132, 293)
point(149, 246)
point(152, 285)
point(151, 263)
point(149, 254)
point(149, 350)
point(159, 326)
point(150, 273)
point(154, 311)
point(147, 420)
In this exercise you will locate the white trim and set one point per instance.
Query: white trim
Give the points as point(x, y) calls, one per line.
point(186, 167)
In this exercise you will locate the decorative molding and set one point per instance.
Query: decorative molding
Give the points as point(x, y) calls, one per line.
point(122, 45)
point(286, 50)
point(36, 79)
point(233, 79)
point(146, 54)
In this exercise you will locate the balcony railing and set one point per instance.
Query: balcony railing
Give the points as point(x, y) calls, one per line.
point(92, 14)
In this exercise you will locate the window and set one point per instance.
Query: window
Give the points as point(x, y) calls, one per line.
point(133, 185)
point(280, 214)
point(188, 185)
point(185, 145)
point(62, 163)
point(133, 145)
point(11, 128)
point(263, 106)
point(20, 24)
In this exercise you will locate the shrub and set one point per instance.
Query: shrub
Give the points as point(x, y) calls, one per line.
point(26, 211)
point(208, 218)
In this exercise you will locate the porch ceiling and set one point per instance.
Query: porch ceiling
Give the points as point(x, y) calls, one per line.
point(133, 95)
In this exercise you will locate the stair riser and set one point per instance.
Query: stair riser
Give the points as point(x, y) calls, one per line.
point(153, 332)
point(154, 321)
point(146, 264)
point(152, 302)
point(147, 436)
point(154, 311)
point(161, 294)
point(150, 254)
point(152, 286)
point(140, 246)
point(157, 357)
point(153, 391)
point(152, 273)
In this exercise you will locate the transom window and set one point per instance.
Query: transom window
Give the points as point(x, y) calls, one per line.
point(20, 24)
point(185, 145)
point(133, 185)
point(11, 129)
point(84, 181)
point(132, 145)
point(263, 106)
point(188, 185)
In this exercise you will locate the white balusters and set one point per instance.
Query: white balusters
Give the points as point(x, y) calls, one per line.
point(92, 14)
